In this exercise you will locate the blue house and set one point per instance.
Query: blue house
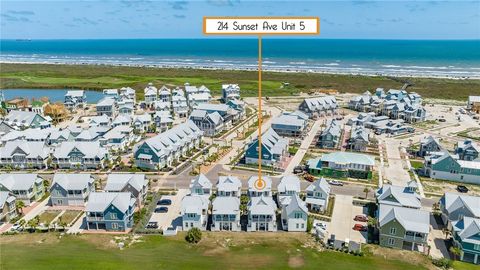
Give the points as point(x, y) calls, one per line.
point(110, 211)
point(274, 149)
point(466, 236)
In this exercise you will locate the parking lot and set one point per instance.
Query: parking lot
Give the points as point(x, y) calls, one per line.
point(164, 220)
point(342, 221)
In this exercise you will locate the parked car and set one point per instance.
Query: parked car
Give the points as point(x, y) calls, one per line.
point(164, 202)
point(16, 227)
point(360, 227)
point(152, 225)
point(462, 189)
point(442, 120)
point(161, 209)
point(297, 169)
point(321, 225)
point(335, 183)
point(361, 218)
point(309, 177)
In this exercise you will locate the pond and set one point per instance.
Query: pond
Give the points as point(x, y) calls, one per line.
point(53, 95)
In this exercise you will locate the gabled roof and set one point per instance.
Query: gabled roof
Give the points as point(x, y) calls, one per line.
point(253, 179)
point(31, 149)
point(261, 206)
point(106, 101)
point(116, 182)
point(72, 181)
point(454, 201)
point(226, 206)
point(296, 204)
point(398, 196)
point(348, 158)
point(75, 93)
point(414, 220)
point(88, 149)
point(272, 141)
point(22, 118)
point(100, 201)
point(19, 181)
point(228, 183)
point(289, 182)
point(468, 229)
point(333, 128)
point(5, 197)
point(194, 204)
point(319, 185)
point(201, 181)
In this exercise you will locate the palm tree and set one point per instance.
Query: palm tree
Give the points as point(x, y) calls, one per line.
point(446, 231)
point(366, 190)
point(19, 205)
point(456, 251)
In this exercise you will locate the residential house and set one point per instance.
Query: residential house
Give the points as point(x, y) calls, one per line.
point(262, 214)
point(122, 120)
point(164, 94)
point(229, 186)
point(8, 209)
point(230, 91)
point(71, 189)
point(290, 124)
point(136, 184)
point(467, 150)
point(210, 123)
point(100, 121)
point(197, 99)
point(317, 195)
point(403, 228)
point(179, 105)
point(238, 106)
point(110, 211)
point(107, 106)
point(330, 136)
point(226, 214)
point(466, 236)
point(398, 196)
point(60, 135)
point(163, 120)
point(38, 106)
point(75, 99)
point(359, 139)
point(26, 187)
point(201, 186)
point(125, 107)
point(342, 164)
point(455, 206)
point(150, 94)
point(128, 93)
point(161, 106)
point(361, 119)
point(24, 154)
point(228, 114)
point(257, 188)
point(274, 150)
point(319, 106)
point(295, 215)
point(445, 166)
point(111, 93)
point(17, 104)
point(289, 186)
point(142, 122)
point(79, 155)
point(428, 145)
point(162, 150)
point(473, 104)
point(24, 119)
point(195, 212)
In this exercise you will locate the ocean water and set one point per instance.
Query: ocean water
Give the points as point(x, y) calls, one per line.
point(445, 58)
point(54, 95)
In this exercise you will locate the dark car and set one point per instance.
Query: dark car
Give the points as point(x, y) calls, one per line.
point(298, 169)
point(164, 202)
point(462, 189)
point(442, 120)
point(152, 225)
point(161, 210)
point(361, 218)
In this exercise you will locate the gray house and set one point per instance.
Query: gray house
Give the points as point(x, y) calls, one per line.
point(107, 106)
point(455, 206)
point(467, 150)
point(136, 184)
point(226, 214)
point(110, 211)
point(398, 196)
point(330, 136)
point(71, 189)
point(318, 194)
point(295, 215)
point(24, 154)
point(290, 124)
point(359, 138)
point(428, 145)
point(8, 209)
point(76, 155)
point(27, 187)
point(319, 106)
point(195, 212)
point(210, 123)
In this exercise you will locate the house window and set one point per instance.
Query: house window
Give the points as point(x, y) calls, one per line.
point(298, 215)
point(114, 226)
point(393, 231)
point(297, 226)
point(114, 216)
point(476, 247)
point(391, 241)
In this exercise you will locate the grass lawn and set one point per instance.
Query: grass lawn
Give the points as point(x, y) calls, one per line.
point(100, 77)
point(215, 251)
point(47, 216)
point(464, 266)
point(416, 164)
point(69, 216)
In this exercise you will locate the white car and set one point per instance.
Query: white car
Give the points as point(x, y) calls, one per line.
point(335, 183)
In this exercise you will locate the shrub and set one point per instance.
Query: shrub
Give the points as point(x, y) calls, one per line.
point(194, 235)
point(443, 263)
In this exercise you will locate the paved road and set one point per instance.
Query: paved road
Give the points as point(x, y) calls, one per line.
point(39, 208)
point(307, 141)
point(174, 210)
point(395, 172)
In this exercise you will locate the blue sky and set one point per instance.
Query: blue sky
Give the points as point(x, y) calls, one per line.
point(183, 19)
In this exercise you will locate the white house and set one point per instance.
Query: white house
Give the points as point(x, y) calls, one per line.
point(226, 214)
point(229, 186)
point(289, 186)
point(201, 185)
point(295, 215)
point(195, 212)
point(262, 214)
point(259, 188)
point(318, 194)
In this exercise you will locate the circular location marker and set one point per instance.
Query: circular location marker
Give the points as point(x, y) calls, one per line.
point(260, 184)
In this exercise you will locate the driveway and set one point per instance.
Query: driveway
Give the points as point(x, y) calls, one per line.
point(171, 217)
point(37, 210)
point(342, 220)
point(436, 240)
point(395, 172)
